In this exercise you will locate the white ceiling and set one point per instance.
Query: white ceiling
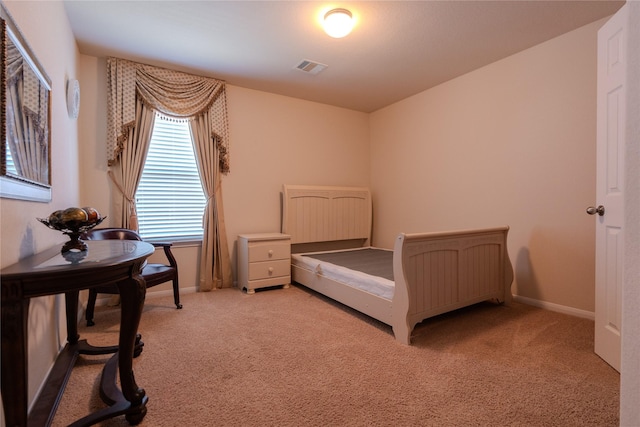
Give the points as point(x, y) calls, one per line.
point(397, 49)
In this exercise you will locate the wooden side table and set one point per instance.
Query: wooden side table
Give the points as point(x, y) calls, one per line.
point(48, 273)
point(264, 260)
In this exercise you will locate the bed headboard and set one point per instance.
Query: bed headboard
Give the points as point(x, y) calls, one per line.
point(312, 214)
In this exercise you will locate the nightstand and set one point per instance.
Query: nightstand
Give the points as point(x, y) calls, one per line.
point(264, 260)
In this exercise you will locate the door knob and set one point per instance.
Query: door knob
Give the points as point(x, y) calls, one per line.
point(599, 210)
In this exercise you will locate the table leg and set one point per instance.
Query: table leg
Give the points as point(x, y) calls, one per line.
point(132, 295)
point(73, 337)
point(71, 308)
point(14, 370)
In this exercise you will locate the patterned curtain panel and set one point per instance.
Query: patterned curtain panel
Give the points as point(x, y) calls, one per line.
point(200, 100)
point(172, 93)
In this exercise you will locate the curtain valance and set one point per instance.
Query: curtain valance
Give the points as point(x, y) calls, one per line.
point(172, 93)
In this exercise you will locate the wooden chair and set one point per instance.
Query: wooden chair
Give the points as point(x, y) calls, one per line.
point(153, 274)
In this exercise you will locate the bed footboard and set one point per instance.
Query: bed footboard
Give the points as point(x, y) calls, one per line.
point(439, 272)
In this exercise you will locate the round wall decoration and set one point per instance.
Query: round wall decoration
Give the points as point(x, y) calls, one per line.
point(73, 98)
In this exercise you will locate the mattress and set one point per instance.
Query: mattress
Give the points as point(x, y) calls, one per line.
point(368, 269)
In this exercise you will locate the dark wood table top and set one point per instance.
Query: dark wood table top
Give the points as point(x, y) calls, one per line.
point(101, 257)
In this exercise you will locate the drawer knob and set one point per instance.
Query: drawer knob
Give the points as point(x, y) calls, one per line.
point(270, 270)
point(270, 253)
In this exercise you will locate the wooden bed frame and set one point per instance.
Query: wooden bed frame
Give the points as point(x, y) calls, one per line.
point(434, 273)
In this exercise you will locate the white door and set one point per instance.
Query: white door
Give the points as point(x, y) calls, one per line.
point(609, 189)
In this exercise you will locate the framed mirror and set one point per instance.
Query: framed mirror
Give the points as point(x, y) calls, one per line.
point(25, 160)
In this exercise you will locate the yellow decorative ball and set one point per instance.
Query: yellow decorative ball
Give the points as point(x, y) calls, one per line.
point(72, 216)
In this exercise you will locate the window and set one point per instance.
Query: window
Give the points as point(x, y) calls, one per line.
point(169, 199)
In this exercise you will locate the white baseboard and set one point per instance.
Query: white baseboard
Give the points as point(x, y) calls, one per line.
point(555, 307)
point(153, 294)
point(103, 299)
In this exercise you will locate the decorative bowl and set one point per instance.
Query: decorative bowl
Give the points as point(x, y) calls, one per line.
point(73, 222)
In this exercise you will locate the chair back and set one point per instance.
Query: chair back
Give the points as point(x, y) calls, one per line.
point(153, 274)
point(111, 234)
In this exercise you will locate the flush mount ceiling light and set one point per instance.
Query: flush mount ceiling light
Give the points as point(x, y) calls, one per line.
point(338, 23)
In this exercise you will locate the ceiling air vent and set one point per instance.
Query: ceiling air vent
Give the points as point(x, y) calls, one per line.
point(310, 67)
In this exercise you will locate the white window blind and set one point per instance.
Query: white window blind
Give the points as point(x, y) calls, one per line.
point(11, 167)
point(169, 199)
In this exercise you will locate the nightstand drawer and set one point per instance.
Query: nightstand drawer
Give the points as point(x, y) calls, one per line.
point(267, 269)
point(269, 250)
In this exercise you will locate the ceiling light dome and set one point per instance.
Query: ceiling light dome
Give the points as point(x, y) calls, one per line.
point(338, 23)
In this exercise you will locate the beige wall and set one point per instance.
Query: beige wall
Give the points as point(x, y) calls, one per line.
point(511, 144)
point(275, 140)
point(46, 29)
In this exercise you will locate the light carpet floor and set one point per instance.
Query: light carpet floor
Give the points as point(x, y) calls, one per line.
point(290, 357)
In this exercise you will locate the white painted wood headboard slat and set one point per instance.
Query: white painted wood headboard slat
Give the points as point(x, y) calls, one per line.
point(322, 214)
